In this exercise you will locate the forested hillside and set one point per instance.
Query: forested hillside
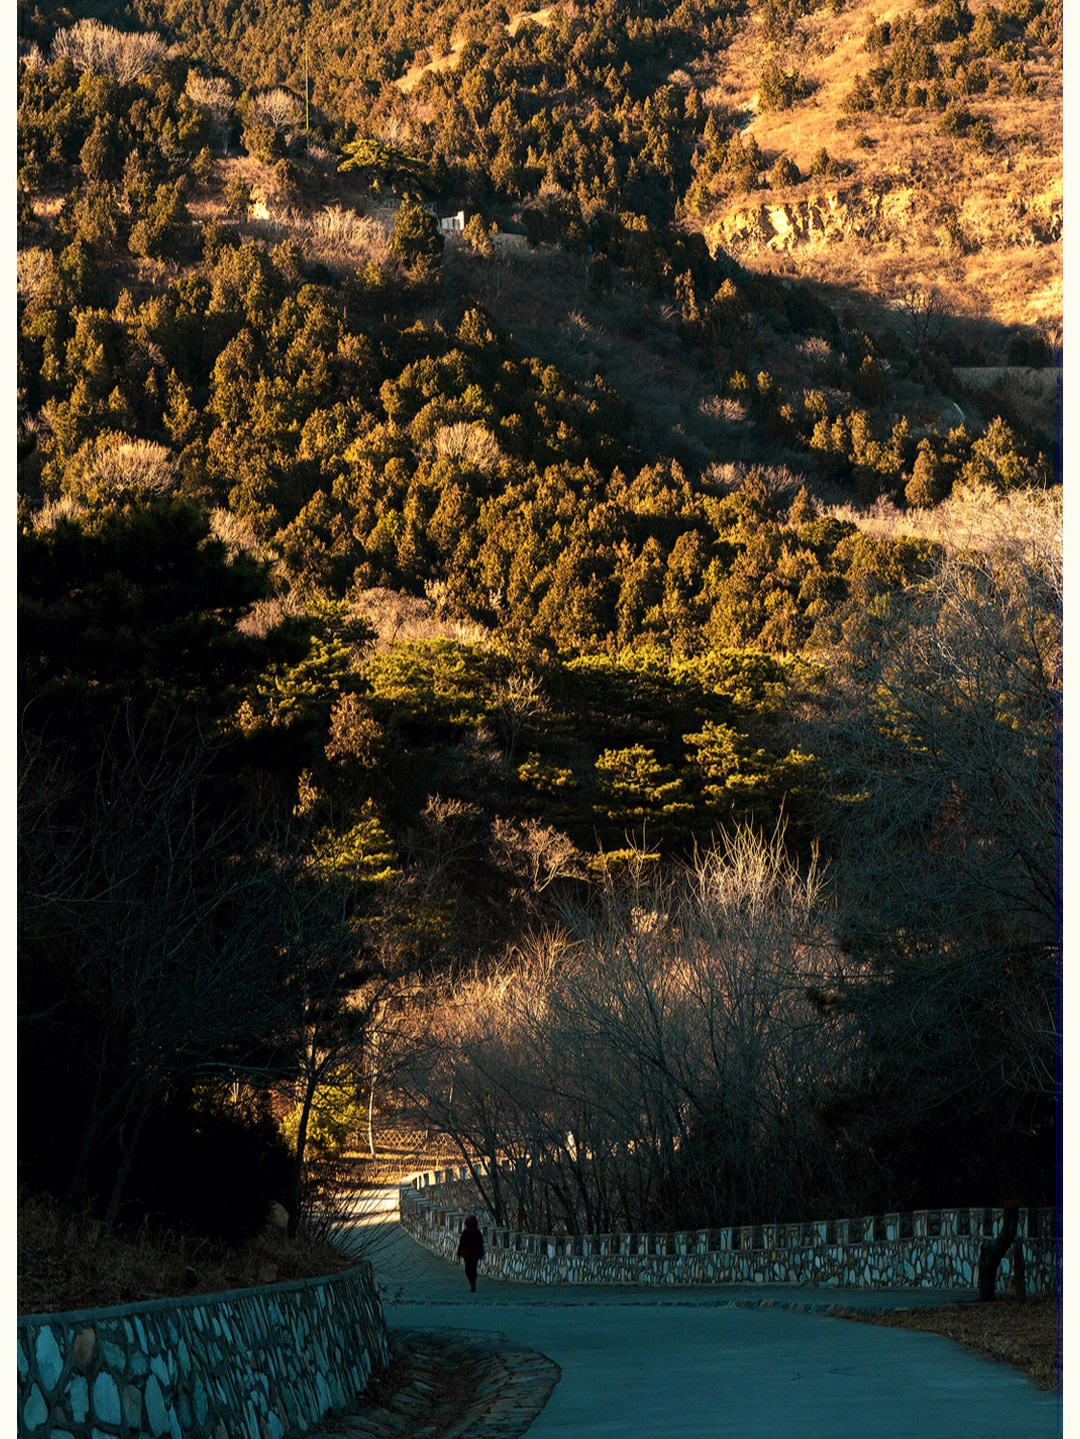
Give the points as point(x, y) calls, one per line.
point(433, 640)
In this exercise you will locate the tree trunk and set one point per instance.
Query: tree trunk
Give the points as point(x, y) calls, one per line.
point(1018, 1277)
point(298, 1164)
point(127, 1153)
point(991, 1254)
point(371, 1118)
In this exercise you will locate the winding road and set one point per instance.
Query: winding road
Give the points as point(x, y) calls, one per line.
point(686, 1362)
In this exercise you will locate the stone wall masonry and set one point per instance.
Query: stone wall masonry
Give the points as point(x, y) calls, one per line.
point(936, 1249)
point(262, 1363)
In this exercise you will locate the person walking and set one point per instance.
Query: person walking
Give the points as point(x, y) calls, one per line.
point(471, 1249)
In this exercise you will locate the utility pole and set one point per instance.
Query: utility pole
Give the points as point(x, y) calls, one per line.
point(307, 101)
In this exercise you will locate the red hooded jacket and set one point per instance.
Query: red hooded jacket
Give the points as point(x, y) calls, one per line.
point(471, 1243)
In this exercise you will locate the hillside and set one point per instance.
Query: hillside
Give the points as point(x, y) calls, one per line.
point(945, 156)
point(484, 601)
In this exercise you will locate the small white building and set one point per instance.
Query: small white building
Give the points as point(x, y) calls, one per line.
point(449, 223)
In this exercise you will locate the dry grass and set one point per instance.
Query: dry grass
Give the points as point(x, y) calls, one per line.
point(1027, 1336)
point(449, 61)
point(74, 1266)
point(412, 75)
point(397, 617)
point(529, 17)
point(972, 518)
point(992, 258)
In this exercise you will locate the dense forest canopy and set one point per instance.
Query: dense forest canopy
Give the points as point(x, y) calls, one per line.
point(411, 613)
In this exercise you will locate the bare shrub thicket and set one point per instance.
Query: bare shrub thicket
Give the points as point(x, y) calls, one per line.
point(973, 517)
point(338, 235)
point(653, 1062)
point(36, 273)
point(122, 464)
point(727, 475)
point(278, 108)
point(397, 616)
point(213, 96)
point(947, 741)
point(53, 512)
point(472, 446)
point(101, 50)
point(236, 534)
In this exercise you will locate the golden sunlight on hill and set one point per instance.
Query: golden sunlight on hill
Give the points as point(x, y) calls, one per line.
point(913, 198)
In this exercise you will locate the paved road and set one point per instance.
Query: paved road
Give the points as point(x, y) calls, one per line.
point(687, 1363)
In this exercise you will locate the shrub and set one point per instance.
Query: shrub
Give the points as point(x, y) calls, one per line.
point(778, 89)
point(202, 167)
point(949, 21)
point(741, 164)
point(823, 166)
point(870, 383)
point(878, 37)
point(208, 1169)
point(784, 173)
point(158, 231)
point(237, 198)
point(263, 143)
point(416, 239)
point(987, 34)
point(803, 510)
point(929, 479)
point(97, 158)
point(477, 235)
point(957, 120)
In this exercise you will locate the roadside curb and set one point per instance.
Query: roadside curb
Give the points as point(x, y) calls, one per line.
point(449, 1385)
point(834, 1308)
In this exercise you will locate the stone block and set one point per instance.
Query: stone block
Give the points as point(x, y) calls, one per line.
point(83, 1347)
point(132, 1400)
point(113, 1356)
point(79, 1398)
point(106, 1399)
point(50, 1362)
point(35, 1410)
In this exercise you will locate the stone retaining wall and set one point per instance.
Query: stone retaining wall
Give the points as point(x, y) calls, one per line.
point(249, 1364)
point(936, 1249)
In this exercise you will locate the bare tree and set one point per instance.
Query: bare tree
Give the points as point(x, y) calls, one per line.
point(149, 939)
point(947, 746)
point(332, 997)
point(279, 109)
point(102, 50)
point(213, 95)
point(921, 316)
point(538, 853)
point(653, 1062)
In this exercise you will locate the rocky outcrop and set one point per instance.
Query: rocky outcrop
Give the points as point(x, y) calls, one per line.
point(819, 219)
point(876, 214)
